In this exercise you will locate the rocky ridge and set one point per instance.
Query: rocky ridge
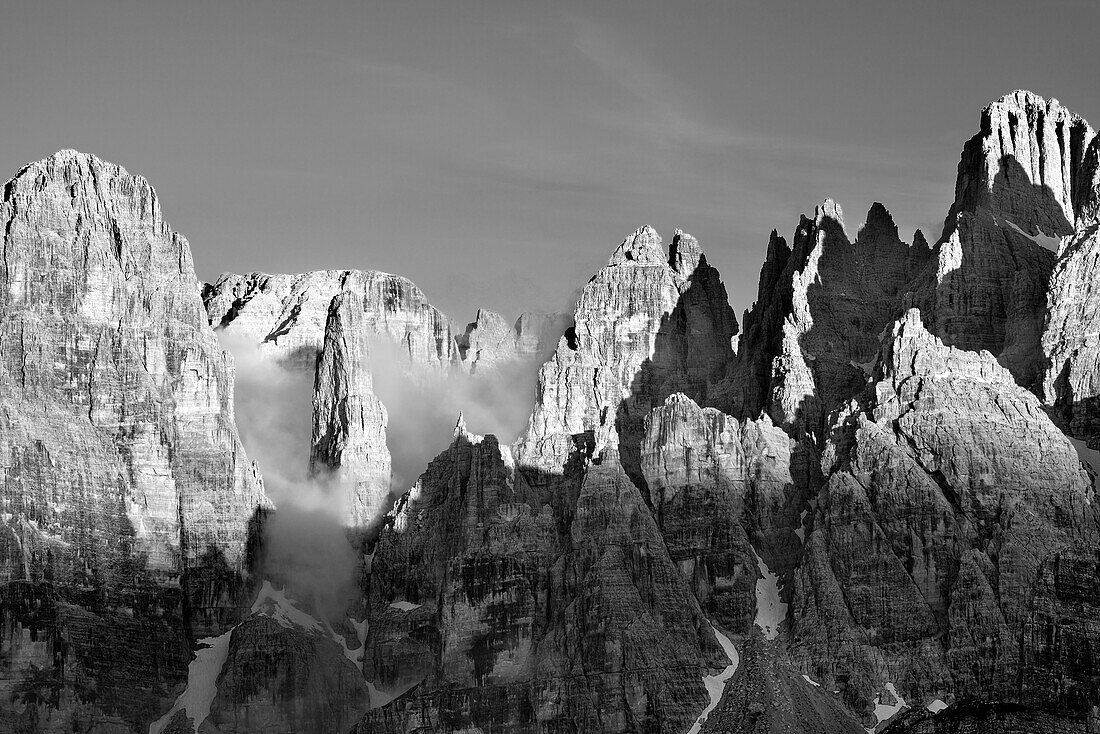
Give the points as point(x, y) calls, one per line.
point(877, 511)
point(128, 502)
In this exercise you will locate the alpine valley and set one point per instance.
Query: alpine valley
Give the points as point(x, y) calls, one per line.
point(867, 505)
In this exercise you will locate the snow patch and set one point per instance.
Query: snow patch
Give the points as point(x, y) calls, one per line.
point(204, 669)
point(884, 712)
point(770, 610)
point(801, 532)
point(274, 603)
point(202, 683)
point(1045, 241)
point(936, 706)
point(811, 681)
point(378, 698)
point(354, 655)
point(716, 684)
point(405, 606)
point(1092, 458)
point(868, 368)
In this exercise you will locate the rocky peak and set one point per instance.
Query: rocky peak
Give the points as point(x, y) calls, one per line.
point(643, 248)
point(488, 338)
point(128, 503)
point(815, 324)
point(348, 447)
point(639, 325)
point(685, 254)
point(920, 242)
point(879, 224)
point(826, 212)
point(1024, 164)
point(957, 496)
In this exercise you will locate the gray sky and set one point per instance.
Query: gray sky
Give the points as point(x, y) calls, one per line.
point(496, 153)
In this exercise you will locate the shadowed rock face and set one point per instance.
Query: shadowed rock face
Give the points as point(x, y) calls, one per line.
point(127, 499)
point(642, 330)
point(546, 595)
point(1024, 166)
point(1071, 383)
point(523, 611)
point(1023, 180)
point(282, 679)
point(815, 325)
point(860, 505)
point(953, 525)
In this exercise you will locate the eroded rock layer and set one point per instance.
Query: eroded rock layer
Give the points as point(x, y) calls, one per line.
point(127, 499)
point(949, 541)
point(286, 314)
point(349, 452)
point(859, 517)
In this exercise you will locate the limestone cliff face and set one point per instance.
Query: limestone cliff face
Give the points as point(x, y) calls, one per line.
point(127, 498)
point(1071, 382)
point(286, 673)
point(815, 325)
point(349, 449)
point(861, 509)
point(286, 314)
point(1024, 166)
point(986, 289)
point(949, 541)
point(518, 609)
point(722, 491)
point(1027, 178)
point(544, 593)
point(279, 670)
point(490, 342)
point(649, 324)
point(1023, 181)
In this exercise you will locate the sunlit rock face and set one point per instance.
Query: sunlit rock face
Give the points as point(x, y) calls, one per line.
point(863, 511)
point(814, 327)
point(722, 490)
point(286, 314)
point(1071, 382)
point(951, 541)
point(1024, 166)
point(349, 449)
point(1021, 182)
point(128, 502)
point(652, 322)
point(543, 594)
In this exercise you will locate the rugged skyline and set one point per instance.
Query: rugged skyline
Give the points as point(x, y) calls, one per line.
point(874, 509)
point(448, 146)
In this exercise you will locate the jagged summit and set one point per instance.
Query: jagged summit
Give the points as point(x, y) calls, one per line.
point(104, 188)
point(1024, 165)
point(1025, 99)
point(643, 248)
point(828, 209)
point(867, 479)
point(879, 223)
point(69, 156)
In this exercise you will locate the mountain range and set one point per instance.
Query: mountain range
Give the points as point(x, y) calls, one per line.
point(869, 504)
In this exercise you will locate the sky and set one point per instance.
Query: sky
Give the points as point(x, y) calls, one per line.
point(496, 153)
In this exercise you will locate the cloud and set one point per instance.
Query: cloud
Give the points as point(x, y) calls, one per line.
point(306, 549)
point(423, 405)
